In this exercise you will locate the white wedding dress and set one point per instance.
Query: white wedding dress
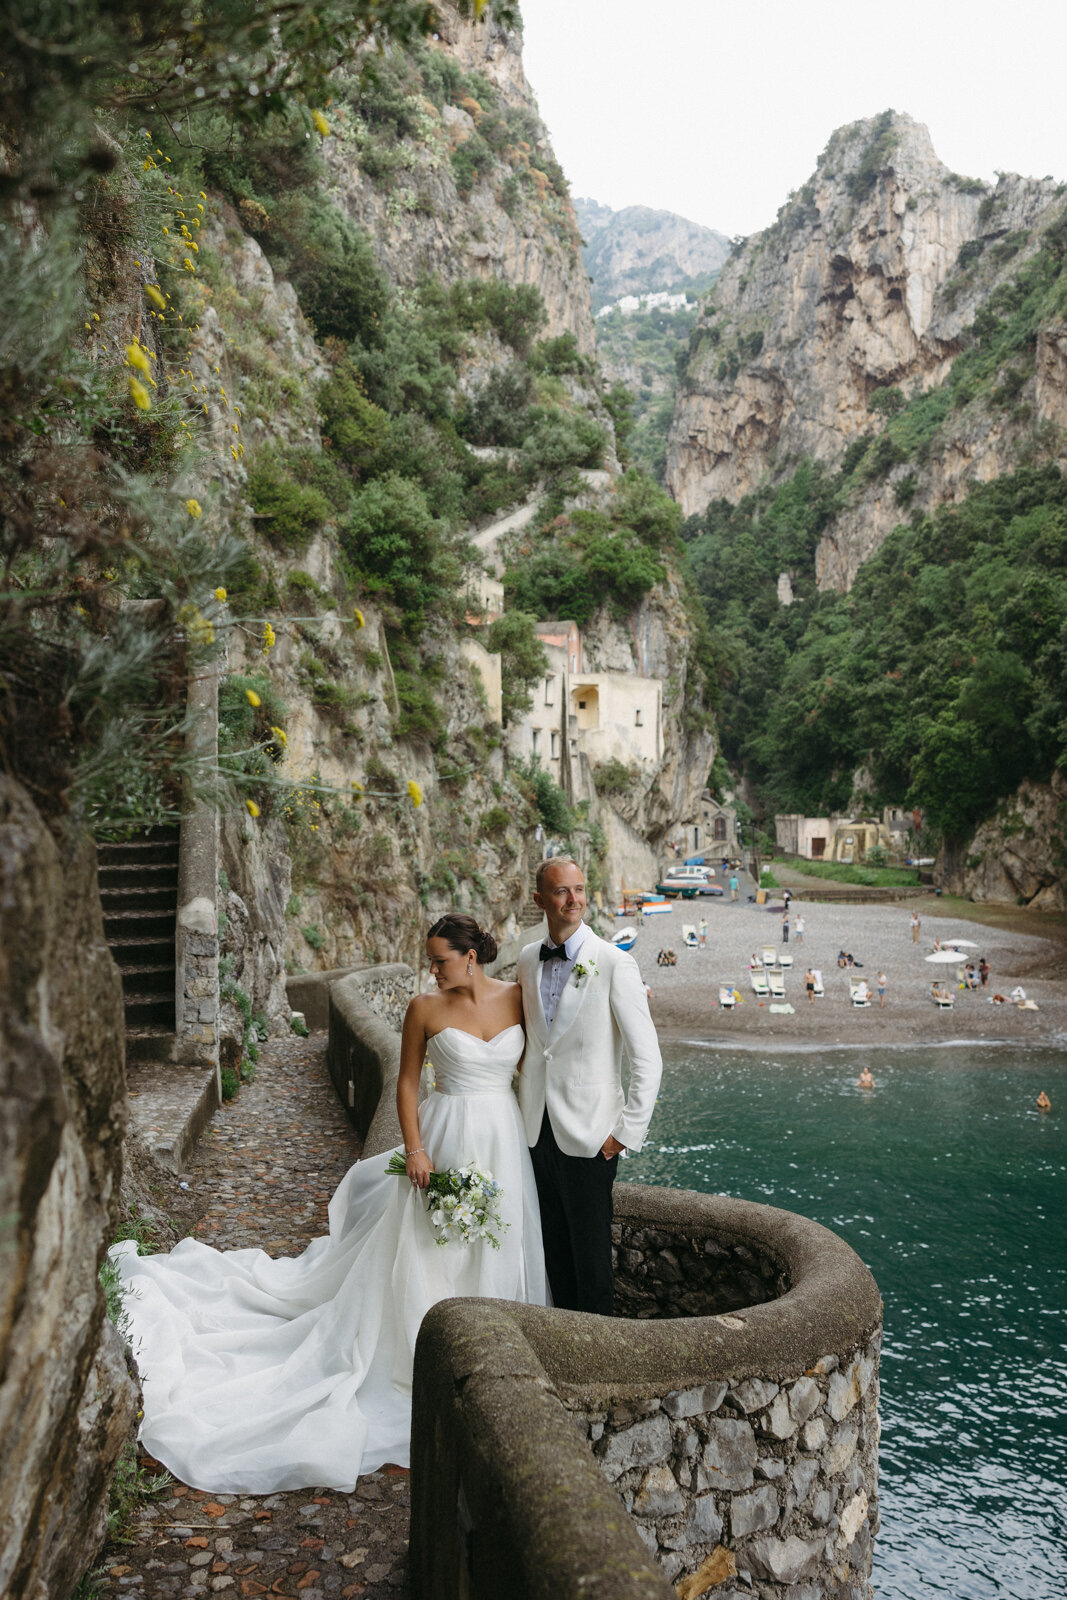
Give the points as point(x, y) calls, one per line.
point(262, 1375)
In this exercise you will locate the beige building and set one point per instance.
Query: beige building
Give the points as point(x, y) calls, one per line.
point(601, 716)
point(845, 839)
point(712, 834)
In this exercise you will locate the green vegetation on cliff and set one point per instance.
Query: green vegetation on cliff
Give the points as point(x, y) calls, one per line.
point(943, 673)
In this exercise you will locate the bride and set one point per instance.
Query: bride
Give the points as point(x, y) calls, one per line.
point(261, 1375)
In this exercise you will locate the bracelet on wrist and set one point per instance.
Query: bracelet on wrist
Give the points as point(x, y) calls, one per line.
point(419, 1152)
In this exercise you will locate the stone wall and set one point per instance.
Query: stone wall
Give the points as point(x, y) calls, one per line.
point(67, 1402)
point(741, 1436)
point(363, 1053)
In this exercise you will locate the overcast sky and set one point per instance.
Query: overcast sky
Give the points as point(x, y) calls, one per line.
point(716, 110)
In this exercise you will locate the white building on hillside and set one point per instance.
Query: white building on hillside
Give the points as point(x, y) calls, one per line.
point(602, 716)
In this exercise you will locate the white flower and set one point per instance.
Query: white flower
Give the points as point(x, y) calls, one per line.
point(585, 969)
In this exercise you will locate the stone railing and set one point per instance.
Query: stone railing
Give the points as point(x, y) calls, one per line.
point(363, 1052)
point(733, 1411)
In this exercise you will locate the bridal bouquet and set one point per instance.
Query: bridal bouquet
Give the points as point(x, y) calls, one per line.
point(463, 1203)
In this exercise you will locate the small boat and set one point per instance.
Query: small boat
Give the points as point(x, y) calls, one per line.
point(625, 938)
point(656, 907)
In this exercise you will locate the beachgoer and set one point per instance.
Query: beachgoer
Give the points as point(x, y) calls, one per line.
point(702, 933)
point(785, 926)
point(983, 972)
point(915, 927)
point(842, 959)
point(1018, 994)
point(798, 929)
point(881, 990)
point(1043, 1102)
point(734, 886)
point(865, 1080)
point(663, 960)
point(787, 897)
point(970, 975)
point(809, 984)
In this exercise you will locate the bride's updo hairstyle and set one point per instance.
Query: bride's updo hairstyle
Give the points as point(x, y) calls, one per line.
point(462, 933)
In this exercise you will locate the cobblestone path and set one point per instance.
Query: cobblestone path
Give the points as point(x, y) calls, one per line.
point(266, 1170)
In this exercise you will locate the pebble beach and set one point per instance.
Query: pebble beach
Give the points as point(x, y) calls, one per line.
point(685, 997)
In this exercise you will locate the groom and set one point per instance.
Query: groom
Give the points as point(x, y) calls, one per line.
point(585, 1006)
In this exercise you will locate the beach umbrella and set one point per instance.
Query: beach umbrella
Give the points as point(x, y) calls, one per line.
point(960, 943)
point(946, 957)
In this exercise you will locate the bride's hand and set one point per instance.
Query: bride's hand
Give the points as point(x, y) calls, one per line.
point(418, 1168)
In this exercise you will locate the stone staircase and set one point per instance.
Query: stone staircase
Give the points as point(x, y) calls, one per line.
point(139, 894)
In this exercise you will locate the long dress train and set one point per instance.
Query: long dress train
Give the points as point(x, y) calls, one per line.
point(264, 1374)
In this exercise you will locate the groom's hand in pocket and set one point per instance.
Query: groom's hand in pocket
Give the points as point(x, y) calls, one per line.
point(611, 1147)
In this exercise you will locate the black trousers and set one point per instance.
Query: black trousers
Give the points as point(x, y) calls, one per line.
point(575, 1197)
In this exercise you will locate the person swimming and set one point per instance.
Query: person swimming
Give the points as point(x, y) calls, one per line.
point(865, 1079)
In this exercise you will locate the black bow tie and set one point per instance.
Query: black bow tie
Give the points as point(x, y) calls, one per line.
point(549, 951)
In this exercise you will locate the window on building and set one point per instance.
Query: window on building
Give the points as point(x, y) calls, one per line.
point(555, 747)
point(535, 741)
point(574, 661)
point(639, 720)
point(549, 697)
point(574, 747)
point(581, 705)
point(718, 828)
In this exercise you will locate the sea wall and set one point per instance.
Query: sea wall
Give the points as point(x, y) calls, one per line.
point(67, 1402)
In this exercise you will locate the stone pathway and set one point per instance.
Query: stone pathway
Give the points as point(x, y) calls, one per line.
point(266, 1169)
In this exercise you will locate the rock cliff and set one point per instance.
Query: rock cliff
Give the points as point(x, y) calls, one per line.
point(870, 280)
point(638, 250)
point(67, 1403)
point(470, 187)
point(1019, 855)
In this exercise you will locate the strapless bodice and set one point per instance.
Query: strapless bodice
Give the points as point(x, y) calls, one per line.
point(465, 1064)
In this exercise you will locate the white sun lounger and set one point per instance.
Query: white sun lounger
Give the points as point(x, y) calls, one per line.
point(760, 986)
point(819, 992)
point(769, 955)
point(859, 991)
point(726, 997)
point(945, 1000)
point(785, 958)
point(777, 982)
point(689, 935)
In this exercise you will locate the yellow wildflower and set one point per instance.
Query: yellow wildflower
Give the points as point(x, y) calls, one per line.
point(415, 793)
point(321, 124)
point(196, 625)
point(188, 265)
point(280, 736)
point(252, 697)
point(220, 595)
point(358, 617)
point(139, 395)
point(137, 357)
point(253, 809)
point(156, 298)
point(357, 788)
point(269, 639)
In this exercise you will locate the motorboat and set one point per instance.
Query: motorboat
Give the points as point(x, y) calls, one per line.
point(625, 938)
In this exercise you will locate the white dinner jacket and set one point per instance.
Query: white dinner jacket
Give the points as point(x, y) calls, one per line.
point(575, 1067)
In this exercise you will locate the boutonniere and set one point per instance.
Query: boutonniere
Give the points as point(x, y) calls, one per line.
point(585, 969)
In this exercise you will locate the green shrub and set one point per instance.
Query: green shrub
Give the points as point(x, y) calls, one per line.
point(496, 820)
point(613, 777)
point(286, 514)
point(314, 936)
point(523, 660)
point(559, 355)
point(560, 441)
point(499, 413)
point(300, 1028)
point(230, 1083)
point(555, 814)
point(355, 428)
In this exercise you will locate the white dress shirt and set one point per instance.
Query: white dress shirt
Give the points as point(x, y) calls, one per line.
point(556, 972)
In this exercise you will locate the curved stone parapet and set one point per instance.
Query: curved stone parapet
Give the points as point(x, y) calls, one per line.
point(719, 1433)
point(733, 1411)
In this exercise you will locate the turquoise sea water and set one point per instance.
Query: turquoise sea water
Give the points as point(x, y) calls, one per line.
point(950, 1184)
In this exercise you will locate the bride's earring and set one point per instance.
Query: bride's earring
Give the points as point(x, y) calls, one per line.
point(470, 968)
